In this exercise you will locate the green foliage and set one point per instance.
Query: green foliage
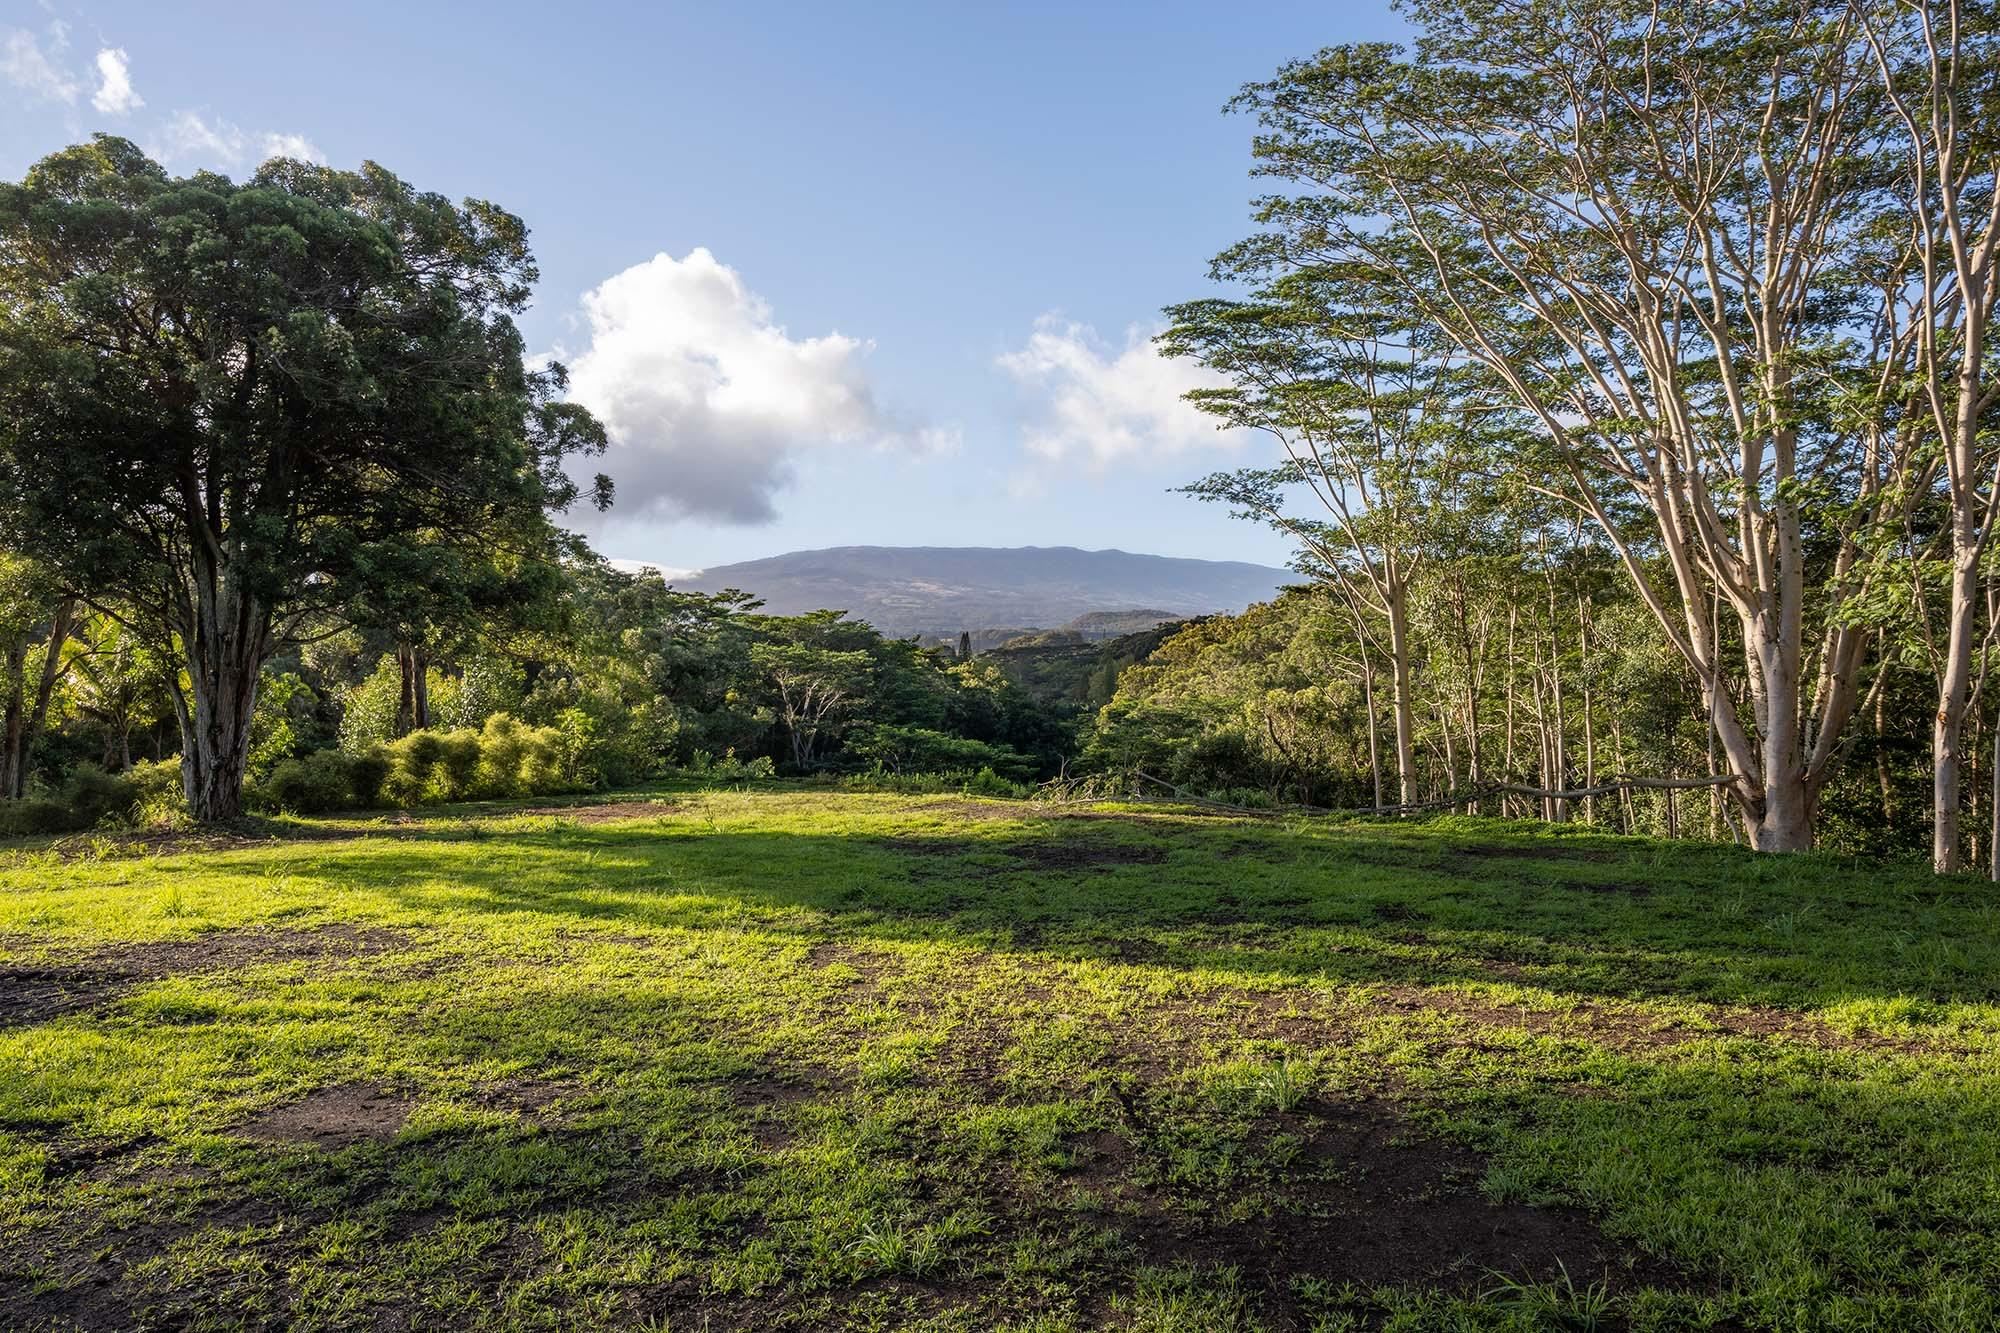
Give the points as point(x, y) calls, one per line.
point(368, 708)
point(280, 396)
point(315, 784)
point(89, 797)
point(984, 782)
point(1251, 708)
point(501, 759)
point(482, 687)
point(159, 792)
point(901, 749)
point(284, 700)
point(729, 768)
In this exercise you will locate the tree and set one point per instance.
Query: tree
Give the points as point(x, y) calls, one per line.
point(223, 405)
point(36, 620)
point(814, 685)
point(1940, 79)
point(1375, 420)
point(1650, 225)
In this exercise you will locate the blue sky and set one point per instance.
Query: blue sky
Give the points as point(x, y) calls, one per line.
point(874, 273)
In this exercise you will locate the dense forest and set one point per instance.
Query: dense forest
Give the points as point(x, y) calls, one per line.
point(1625, 384)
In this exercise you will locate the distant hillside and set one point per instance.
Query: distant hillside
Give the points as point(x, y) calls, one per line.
point(942, 590)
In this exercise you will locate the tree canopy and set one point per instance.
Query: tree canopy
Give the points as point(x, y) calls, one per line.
point(232, 408)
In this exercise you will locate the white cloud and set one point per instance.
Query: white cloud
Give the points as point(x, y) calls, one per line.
point(708, 402)
point(671, 573)
point(190, 136)
point(25, 65)
point(292, 145)
point(1109, 404)
point(115, 95)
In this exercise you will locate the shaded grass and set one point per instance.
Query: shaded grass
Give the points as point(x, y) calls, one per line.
point(791, 1059)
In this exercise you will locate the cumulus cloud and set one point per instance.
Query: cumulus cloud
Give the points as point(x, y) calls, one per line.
point(115, 95)
point(190, 136)
point(34, 71)
point(709, 402)
point(290, 145)
point(1106, 403)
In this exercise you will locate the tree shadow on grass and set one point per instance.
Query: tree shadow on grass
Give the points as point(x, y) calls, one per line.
point(643, 1206)
point(1603, 918)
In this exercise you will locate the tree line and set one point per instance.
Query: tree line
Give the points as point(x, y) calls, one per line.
point(277, 479)
point(1694, 297)
point(1627, 371)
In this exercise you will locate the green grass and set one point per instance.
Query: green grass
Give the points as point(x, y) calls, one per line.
point(790, 1059)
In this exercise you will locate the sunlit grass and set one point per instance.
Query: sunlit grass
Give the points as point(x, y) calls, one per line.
point(789, 1058)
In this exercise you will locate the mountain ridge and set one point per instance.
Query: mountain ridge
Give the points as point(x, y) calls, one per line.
point(943, 590)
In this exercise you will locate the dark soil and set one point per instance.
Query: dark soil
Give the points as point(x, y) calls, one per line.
point(1087, 855)
point(334, 1117)
point(1378, 1204)
point(1062, 855)
point(39, 993)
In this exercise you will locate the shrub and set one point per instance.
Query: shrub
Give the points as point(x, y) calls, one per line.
point(320, 782)
point(90, 797)
point(161, 794)
point(35, 816)
point(729, 768)
point(367, 772)
point(458, 766)
point(901, 749)
point(503, 758)
point(95, 796)
point(985, 782)
point(988, 783)
point(413, 764)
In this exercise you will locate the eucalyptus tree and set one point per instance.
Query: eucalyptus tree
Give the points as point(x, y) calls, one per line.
point(1377, 423)
point(1645, 222)
point(223, 405)
point(1939, 67)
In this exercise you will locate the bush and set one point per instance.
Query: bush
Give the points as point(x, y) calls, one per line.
point(503, 758)
point(985, 782)
point(36, 816)
point(90, 797)
point(161, 792)
point(988, 783)
point(320, 782)
point(901, 749)
point(367, 773)
point(727, 769)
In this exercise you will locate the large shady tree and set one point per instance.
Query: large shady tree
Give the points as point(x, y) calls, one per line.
point(227, 410)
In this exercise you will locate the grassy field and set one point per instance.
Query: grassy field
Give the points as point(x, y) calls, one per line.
point(798, 1060)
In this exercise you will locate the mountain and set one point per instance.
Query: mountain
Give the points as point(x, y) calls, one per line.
point(941, 590)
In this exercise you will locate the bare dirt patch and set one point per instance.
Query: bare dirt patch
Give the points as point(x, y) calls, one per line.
point(1087, 855)
point(868, 965)
point(335, 1117)
point(527, 1096)
point(1059, 855)
point(1376, 1203)
point(38, 993)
